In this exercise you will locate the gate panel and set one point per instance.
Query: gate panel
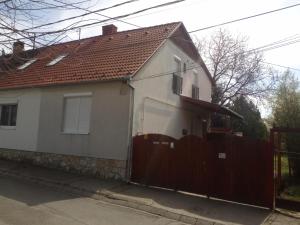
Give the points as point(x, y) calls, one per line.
point(152, 160)
point(219, 159)
point(191, 163)
point(222, 166)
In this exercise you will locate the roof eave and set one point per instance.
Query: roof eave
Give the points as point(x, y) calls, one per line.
point(212, 107)
point(121, 78)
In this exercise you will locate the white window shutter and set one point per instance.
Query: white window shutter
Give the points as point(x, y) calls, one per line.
point(84, 115)
point(71, 112)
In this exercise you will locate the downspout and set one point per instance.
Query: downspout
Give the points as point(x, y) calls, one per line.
point(130, 138)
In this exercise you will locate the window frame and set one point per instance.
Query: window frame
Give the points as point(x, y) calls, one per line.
point(27, 64)
point(195, 92)
point(75, 95)
point(184, 67)
point(9, 127)
point(178, 61)
point(57, 59)
point(177, 83)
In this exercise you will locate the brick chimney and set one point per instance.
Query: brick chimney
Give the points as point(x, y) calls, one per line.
point(18, 47)
point(109, 29)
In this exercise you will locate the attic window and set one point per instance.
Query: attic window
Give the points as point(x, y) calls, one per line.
point(56, 60)
point(25, 65)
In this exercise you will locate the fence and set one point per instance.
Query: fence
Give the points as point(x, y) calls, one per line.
point(286, 143)
point(222, 166)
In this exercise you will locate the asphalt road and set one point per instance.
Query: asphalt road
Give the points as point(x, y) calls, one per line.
point(24, 203)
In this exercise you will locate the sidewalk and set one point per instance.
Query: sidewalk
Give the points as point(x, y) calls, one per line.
point(184, 207)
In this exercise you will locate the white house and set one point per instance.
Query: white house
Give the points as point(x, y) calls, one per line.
point(77, 105)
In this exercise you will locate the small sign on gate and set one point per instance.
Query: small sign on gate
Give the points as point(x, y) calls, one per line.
point(172, 145)
point(222, 155)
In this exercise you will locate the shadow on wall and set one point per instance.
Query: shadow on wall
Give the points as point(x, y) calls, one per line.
point(163, 118)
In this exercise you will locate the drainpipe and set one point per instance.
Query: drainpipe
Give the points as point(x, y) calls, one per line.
point(130, 139)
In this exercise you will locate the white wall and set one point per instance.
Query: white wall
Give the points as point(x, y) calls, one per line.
point(109, 121)
point(156, 108)
point(24, 135)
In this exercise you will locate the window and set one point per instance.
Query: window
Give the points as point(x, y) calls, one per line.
point(178, 68)
point(177, 84)
point(25, 65)
point(184, 67)
point(195, 92)
point(8, 115)
point(77, 110)
point(56, 60)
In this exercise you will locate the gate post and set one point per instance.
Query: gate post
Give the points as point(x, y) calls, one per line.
point(273, 171)
point(278, 162)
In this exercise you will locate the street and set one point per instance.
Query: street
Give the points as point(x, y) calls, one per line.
point(23, 203)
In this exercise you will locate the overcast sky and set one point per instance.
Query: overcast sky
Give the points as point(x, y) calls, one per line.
point(196, 14)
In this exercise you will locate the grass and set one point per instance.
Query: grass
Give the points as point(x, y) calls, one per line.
point(292, 188)
point(284, 167)
point(291, 193)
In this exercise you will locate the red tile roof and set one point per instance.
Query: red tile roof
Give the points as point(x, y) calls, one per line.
point(98, 58)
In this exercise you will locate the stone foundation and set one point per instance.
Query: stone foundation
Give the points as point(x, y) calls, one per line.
point(104, 168)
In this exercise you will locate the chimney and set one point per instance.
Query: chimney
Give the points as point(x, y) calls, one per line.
point(18, 47)
point(109, 29)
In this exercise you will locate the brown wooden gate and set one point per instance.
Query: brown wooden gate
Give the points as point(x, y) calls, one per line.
point(222, 166)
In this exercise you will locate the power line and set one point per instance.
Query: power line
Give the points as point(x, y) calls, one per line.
point(84, 25)
point(85, 14)
point(165, 4)
point(109, 18)
point(146, 9)
point(117, 5)
point(245, 18)
point(89, 12)
point(286, 67)
point(49, 6)
point(193, 31)
point(215, 25)
point(281, 45)
point(294, 37)
point(209, 27)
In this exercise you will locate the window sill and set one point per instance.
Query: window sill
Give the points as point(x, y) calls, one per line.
point(8, 127)
point(75, 133)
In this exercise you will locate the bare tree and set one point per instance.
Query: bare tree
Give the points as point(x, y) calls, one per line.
point(236, 70)
point(19, 17)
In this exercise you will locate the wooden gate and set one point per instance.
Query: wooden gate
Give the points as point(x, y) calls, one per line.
point(222, 166)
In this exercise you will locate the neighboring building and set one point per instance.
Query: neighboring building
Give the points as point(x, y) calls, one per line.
point(76, 105)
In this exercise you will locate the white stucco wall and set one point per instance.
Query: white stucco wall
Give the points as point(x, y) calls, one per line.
point(24, 135)
point(156, 108)
point(109, 121)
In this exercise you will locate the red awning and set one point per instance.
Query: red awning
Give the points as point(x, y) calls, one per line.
point(212, 107)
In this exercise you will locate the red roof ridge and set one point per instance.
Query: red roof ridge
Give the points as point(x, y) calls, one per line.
point(119, 32)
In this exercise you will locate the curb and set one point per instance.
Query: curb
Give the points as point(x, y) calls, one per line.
point(287, 213)
point(110, 198)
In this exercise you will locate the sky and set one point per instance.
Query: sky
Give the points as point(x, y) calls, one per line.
point(202, 13)
point(196, 14)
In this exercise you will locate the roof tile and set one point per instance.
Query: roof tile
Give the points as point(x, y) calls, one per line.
point(92, 59)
